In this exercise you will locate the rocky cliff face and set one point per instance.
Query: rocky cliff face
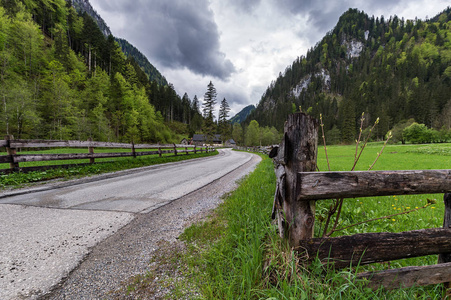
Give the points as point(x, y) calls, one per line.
point(84, 6)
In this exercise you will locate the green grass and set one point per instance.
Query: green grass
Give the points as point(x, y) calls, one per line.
point(237, 253)
point(16, 180)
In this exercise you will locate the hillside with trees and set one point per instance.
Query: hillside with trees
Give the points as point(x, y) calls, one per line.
point(61, 78)
point(242, 115)
point(393, 69)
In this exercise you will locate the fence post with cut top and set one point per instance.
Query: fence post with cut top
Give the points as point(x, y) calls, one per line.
point(296, 153)
point(91, 151)
point(14, 166)
point(133, 149)
point(446, 257)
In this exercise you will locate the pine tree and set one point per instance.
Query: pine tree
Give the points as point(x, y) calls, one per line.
point(224, 124)
point(208, 108)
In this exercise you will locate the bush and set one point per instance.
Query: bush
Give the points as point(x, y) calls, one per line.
point(420, 134)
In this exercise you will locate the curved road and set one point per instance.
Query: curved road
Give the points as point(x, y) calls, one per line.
point(46, 233)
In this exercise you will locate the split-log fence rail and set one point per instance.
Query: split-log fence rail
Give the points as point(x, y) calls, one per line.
point(14, 158)
point(299, 186)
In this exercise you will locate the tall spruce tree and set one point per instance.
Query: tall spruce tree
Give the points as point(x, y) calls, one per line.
point(224, 124)
point(208, 109)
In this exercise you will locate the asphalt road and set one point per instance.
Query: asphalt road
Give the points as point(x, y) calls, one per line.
point(46, 233)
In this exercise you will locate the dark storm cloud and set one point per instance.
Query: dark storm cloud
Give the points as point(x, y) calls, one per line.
point(178, 34)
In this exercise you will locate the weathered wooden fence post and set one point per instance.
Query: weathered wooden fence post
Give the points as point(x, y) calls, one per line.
point(297, 153)
point(91, 151)
point(159, 151)
point(175, 150)
point(133, 149)
point(14, 166)
point(195, 151)
point(446, 257)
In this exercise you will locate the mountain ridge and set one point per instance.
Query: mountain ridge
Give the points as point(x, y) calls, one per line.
point(242, 115)
point(127, 48)
point(392, 69)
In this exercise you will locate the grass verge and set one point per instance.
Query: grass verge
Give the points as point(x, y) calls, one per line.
point(17, 180)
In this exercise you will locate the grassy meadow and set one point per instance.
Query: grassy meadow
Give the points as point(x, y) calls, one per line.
point(237, 254)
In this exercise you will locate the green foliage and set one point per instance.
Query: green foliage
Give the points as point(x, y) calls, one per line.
point(223, 124)
point(252, 137)
point(237, 133)
point(209, 127)
point(152, 73)
point(61, 78)
point(420, 134)
point(242, 115)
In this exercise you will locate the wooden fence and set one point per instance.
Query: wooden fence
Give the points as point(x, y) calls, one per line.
point(14, 159)
point(299, 187)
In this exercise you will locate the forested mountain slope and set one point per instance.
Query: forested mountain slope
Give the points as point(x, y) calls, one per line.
point(242, 115)
point(61, 78)
point(393, 69)
point(129, 50)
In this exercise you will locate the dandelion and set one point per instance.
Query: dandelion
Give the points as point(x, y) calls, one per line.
point(392, 205)
point(432, 207)
point(416, 207)
point(407, 207)
point(393, 220)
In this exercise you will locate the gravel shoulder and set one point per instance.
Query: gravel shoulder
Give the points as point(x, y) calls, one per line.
point(127, 252)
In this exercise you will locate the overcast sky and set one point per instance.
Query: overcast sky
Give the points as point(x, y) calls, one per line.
point(239, 45)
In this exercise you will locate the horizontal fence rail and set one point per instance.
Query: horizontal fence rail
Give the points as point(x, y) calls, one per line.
point(14, 159)
point(332, 185)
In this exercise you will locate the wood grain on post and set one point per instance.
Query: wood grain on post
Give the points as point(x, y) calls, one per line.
point(297, 153)
point(446, 257)
point(332, 185)
point(11, 152)
point(91, 151)
point(133, 150)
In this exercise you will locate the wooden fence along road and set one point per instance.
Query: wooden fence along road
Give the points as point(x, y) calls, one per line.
point(14, 159)
point(298, 187)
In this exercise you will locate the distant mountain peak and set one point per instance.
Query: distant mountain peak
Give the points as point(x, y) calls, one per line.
point(243, 114)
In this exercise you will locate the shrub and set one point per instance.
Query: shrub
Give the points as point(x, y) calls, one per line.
point(420, 134)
